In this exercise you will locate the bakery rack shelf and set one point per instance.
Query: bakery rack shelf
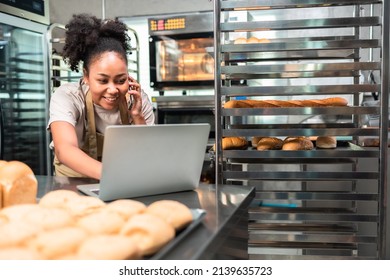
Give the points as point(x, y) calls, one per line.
point(317, 203)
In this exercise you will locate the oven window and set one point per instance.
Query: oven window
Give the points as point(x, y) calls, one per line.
point(188, 116)
point(184, 60)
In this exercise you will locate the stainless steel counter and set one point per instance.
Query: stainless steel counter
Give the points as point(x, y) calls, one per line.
point(222, 234)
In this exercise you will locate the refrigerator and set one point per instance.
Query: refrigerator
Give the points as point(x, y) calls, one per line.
point(24, 92)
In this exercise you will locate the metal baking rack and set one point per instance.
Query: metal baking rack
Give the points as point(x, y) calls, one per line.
point(322, 203)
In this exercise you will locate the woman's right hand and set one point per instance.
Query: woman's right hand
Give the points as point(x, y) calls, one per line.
point(135, 108)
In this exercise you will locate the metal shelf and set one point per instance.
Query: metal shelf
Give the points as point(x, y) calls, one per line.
point(319, 196)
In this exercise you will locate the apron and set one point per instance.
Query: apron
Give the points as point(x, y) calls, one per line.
point(93, 144)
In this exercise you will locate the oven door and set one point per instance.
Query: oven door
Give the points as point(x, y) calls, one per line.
point(186, 109)
point(181, 61)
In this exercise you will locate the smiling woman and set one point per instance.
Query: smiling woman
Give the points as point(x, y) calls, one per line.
point(80, 112)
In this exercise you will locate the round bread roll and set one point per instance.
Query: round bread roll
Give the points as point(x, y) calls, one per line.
point(233, 143)
point(240, 40)
point(252, 40)
point(18, 183)
point(149, 232)
point(126, 207)
point(58, 198)
point(17, 212)
point(19, 253)
point(173, 212)
point(269, 143)
point(326, 142)
point(108, 247)
point(230, 143)
point(57, 242)
point(16, 233)
point(84, 205)
point(3, 220)
point(297, 143)
point(49, 218)
point(102, 221)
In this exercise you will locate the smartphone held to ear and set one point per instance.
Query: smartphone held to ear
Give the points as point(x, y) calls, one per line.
point(130, 102)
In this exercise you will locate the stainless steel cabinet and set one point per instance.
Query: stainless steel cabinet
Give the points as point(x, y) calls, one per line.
point(319, 203)
point(23, 94)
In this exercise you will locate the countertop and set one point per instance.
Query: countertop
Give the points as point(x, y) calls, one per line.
point(221, 234)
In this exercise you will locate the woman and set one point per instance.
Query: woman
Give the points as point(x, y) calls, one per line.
point(106, 95)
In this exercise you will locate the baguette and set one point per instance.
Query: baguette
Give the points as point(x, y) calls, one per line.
point(269, 143)
point(327, 102)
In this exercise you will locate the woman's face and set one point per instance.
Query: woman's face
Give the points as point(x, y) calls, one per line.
point(107, 80)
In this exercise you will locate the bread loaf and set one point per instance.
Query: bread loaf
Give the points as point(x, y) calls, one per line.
point(269, 143)
point(58, 198)
point(327, 102)
point(297, 143)
point(69, 226)
point(108, 247)
point(126, 207)
point(232, 143)
point(57, 242)
point(149, 232)
point(173, 212)
point(240, 40)
point(18, 183)
point(255, 140)
point(252, 40)
point(326, 142)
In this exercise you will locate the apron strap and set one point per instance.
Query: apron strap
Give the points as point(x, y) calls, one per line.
point(92, 138)
point(124, 113)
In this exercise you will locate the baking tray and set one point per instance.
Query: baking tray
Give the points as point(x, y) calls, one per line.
point(198, 215)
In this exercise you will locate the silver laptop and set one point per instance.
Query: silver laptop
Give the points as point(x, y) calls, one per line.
point(141, 160)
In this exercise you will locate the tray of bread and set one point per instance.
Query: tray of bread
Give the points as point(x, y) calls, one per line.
point(64, 225)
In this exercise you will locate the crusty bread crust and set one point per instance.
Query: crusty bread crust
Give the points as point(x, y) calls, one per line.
point(297, 144)
point(269, 143)
point(18, 184)
point(327, 102)
point(326, 142)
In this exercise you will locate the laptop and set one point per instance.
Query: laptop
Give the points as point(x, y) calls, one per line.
point(142, 160)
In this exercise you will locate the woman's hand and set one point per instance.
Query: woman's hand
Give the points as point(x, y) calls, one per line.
point(135, 103)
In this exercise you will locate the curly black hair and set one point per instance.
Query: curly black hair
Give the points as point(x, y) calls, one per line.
point(87, 37)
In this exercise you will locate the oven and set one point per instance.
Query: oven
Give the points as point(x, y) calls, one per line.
point(186, 109)
point(178, 51)
point(190, 109)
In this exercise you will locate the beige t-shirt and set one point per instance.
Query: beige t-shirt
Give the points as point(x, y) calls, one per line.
point(67, 103)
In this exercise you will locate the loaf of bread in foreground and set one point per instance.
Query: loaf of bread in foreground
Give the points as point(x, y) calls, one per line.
point(69, 226)
point(173, 212)
point(249, 103)
point(149, 232)
point(18, 184)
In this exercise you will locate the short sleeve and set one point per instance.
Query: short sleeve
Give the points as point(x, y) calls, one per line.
point(66, 104)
